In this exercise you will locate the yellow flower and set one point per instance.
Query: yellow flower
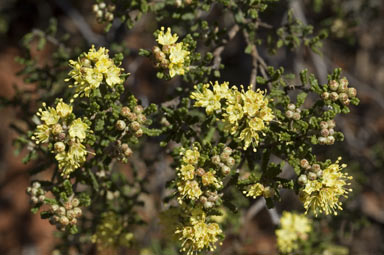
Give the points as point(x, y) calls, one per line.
point(49, 115)
point(166, 38)
point(42, 134)
point(294, 227)
point(255, 190)
point(71, 160)
point(110, 233)
point(92, 70)
point(78, 129)
point(209, 178)
point(63, 109)
point(189, 189)
point(178, 54)
point(191, 156)
point(324, 195)
point(187, 172)
point(198, 235)
point(246, 109)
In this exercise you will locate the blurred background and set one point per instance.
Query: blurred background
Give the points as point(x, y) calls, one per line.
point(355, 44)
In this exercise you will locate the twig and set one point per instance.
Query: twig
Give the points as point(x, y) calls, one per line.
point(80, 23)
point(217, 52)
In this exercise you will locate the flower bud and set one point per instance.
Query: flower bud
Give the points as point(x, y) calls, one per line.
point(319, 173)
point(231, 161)
point(132, 116)
point(208, 204)
point(330, 140)
point(352, 92)
point(334, 96)
point(304, 163)
point(225, 170)
point(125, 111)
point(346, 101)
point(343, 96)
point(41, 198)
point(291, 107)
point(109, 16)
point(135, 125)
point(289, 114)
point(139, 133)
point(312, 176)
point(61, 137)
point(95, 8)
point(141, 118)
point(102, 5)
point(138, 109)
point(127, 152)
point(325, 95)
point(61, 211)
point(216, 159)
point(323, 125)
point(331, 131)
point(59, 146)
point(70, 214)
point(333, 85)
point(324, 132)
point(64, 220)
point(34, 199)
point(200, 171)
point(77, 211)
point(120, 125)
point(36, 185)
point(302, 180)
point(315, 168)
point(73, 221)
point(57, 129)
point(99, 14)
point(344, 82)
point(322, 140)
point(331, 123)
point(75, 202)
point(298, 110)
point(296, 116)
point(54, 208)
point(227, 150)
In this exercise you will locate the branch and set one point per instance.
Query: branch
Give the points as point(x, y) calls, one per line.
point(217, 52)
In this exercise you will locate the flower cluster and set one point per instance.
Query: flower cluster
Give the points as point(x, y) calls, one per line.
point(201, 180)
point(95, 67)
point(327, 132)
point(66, 214)
point(36, 192)
point(322, 189)
point(199, 234)
point(293, 112)
point(259, 189)
point(67, 134)
point(172, 56)
point(294, 228)
point(244, 113)
point(131, 124)
point(103, 11)
point(339, 91)
point(111, 233)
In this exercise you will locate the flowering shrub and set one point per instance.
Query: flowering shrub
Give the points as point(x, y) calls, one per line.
point(226, 141)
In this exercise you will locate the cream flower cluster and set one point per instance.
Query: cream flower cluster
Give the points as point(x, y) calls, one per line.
point(111, 233)
point(199, 234)
point(172, 56)
point(259, 189)
point(294, 227)
point(244, 113)
point(92, 69)
point(322, 193)
point(65, 133)
point(191, 175)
